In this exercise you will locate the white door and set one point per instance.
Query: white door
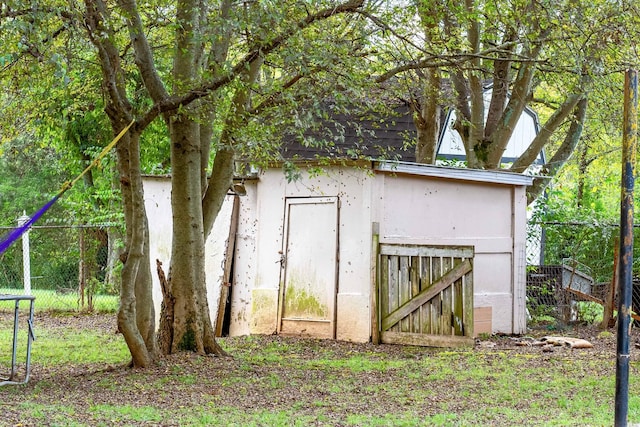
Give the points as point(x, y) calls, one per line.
point(309, 267)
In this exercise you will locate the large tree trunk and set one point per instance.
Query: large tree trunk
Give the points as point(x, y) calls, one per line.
point(192, 326)
point(427, 111)
point(136, 316)
point(427, 119)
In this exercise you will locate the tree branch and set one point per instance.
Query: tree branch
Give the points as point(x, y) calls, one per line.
point(143, 54)
point(377, 21)
point(520, 96)
point(563, 154)
point(172, 103)
point(542, 138)
point(453, 60)
point(108, 55)
point(500, 89)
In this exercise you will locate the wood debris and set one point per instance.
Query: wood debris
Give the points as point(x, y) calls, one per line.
point(553, 341)
point(567, 342)
point(485, 344)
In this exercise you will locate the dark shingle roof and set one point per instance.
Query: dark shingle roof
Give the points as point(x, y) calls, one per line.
point(376, 136)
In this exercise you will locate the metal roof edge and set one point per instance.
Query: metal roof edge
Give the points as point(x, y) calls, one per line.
point(493, 176)
point(154, 176)
point(167, 176)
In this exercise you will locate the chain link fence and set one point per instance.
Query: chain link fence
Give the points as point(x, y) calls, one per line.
point(571, 270)
point(67, 268)
point(75, 268)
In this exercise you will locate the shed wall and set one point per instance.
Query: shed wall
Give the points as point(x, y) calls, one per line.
point(490, 217)
point(409, 209)
point(158, 206)
point(353, 189)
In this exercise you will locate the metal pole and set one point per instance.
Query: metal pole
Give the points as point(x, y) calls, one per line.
point(30, 338)
point(14, 350)
point(26, 256)
point(629, 143)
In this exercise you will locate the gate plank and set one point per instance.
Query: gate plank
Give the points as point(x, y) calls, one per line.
point(384, 285)
point(416, 318)
point(436, 312)
point(394, 283)
point(436, 302)
point(425, 282)
point(447, 300)
point(405, 290)
point(467, 291)
point(375, 282)
point(458, 314)
point(403, 311)
point(428, 251)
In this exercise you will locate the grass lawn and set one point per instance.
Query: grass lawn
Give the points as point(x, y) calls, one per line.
point(79, 378)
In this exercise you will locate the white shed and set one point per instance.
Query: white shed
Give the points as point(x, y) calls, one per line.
point(400, 252)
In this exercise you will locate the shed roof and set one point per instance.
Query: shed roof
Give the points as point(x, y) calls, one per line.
point(477, 175)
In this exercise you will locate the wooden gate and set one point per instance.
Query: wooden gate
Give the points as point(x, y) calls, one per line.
point(425, 295)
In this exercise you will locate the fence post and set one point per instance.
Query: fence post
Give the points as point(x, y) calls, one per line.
point(26, 255)
point(629, 146)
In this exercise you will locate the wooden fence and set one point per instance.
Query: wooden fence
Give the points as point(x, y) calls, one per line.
point(425, 295)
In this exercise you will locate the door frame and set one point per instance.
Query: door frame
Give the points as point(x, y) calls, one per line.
point(299, 200)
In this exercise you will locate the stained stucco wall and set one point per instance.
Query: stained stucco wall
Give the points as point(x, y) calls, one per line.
point(490, 217)
point(261, 241)
point(410, 209)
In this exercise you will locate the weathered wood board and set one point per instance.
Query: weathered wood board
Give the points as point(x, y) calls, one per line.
point(425, 295)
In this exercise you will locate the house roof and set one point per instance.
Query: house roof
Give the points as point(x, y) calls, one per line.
point(373, 137)
point(390, 137)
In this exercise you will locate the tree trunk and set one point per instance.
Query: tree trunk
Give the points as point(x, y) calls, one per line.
point(582, 174)
point(111, 279)
point(136, 316)
point(427, 122)
point(427, 111)
point(476, 142)
point(427, 119)
point(192, 327)
point(165, 330)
